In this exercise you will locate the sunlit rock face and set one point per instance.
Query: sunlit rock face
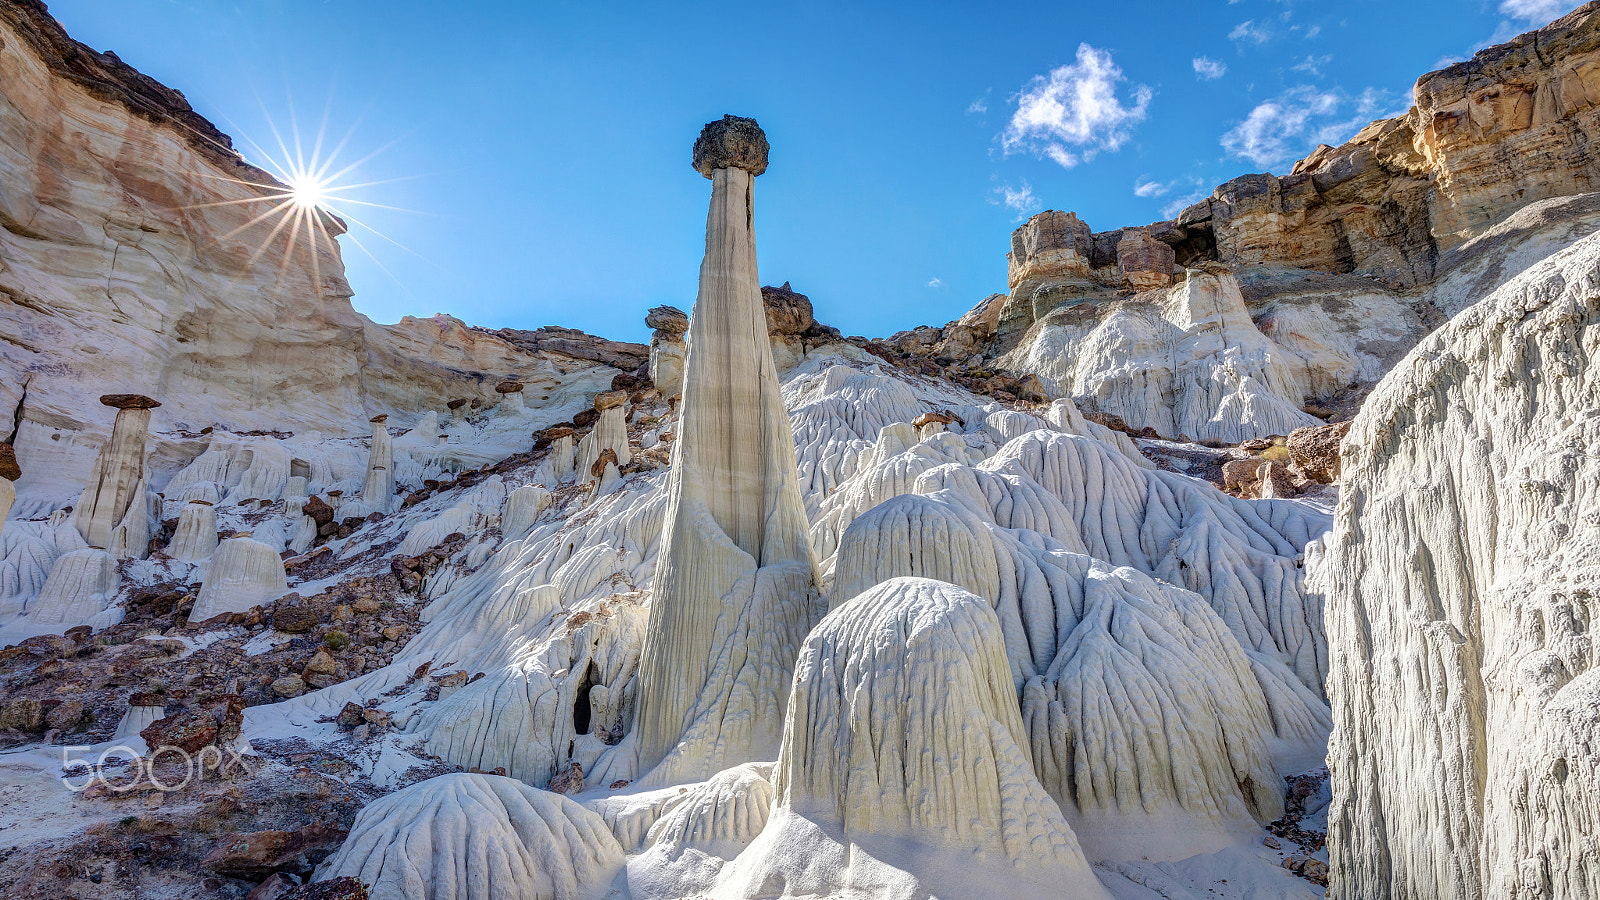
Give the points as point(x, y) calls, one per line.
point(1461, 581)
point(129, 266)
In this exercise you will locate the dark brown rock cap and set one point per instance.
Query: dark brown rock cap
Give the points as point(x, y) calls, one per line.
point(379, 418)
point(509, 387)
point(9, 470)
point(610, 399)
point(129, 401)
point(669, 320)
point(731, 143)
point(457, 403)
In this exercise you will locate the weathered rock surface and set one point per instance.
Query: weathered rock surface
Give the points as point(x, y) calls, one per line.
point(477, 837)
point(1461, 579)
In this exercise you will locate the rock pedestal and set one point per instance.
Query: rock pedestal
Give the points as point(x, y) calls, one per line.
point(111, 512)
point(735, 578)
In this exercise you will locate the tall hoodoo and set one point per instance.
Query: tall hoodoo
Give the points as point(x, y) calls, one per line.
point(378, 488)
point(116, 484)
point(736, 586)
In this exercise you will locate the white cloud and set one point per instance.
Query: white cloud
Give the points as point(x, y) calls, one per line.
point(1294, 122)
point(1075, 106)
point(1445, 62)
point(1312, 65)
point(1019, 200)
point(1537, 12)
point(1249, 32)
point(1313, 31)
point(1150, 188)
point(1208, 69)
point(980, 105)
point(935, 283)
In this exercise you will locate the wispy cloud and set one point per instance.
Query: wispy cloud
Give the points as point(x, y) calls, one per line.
point(980, 105)
point(1074, 112)
point(1312, 65)
point(935, 282)
point(1295, 121)
point(1150, 188)
point(1208, 69)
point(1537, 12)
point(1248, 32)
point(1021, 201)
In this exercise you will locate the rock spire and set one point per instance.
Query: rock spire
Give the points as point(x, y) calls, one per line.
point(735, 587)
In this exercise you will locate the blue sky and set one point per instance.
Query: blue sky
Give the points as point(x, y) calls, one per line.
point(537, 154)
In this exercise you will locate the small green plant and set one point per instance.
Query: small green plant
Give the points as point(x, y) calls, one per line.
point(336, 640)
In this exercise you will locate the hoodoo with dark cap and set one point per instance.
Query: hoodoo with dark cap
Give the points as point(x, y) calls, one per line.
point(111, 514)
point(736, 586)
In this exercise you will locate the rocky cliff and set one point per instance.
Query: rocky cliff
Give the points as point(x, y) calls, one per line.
point(1344, 263)
point(128, 263)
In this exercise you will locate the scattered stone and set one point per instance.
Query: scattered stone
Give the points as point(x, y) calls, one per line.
point(289, 686)
point(9, 470)
point(349, 717)
point(568, 782)
point(23, 714)
point(1315, 451)
point(66, 715)
point(258, 854)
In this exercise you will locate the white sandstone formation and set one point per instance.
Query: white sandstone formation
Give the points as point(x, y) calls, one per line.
point(137, 719)
point(610, 432)
point(477, 837)
point(1112, 666)
point(511, 401)
point(196, 536)
point(80, 587)
point(1462, 578)
point(113, 513)
point(885, 788)
point(700, 830)
point(377, 491)
point(735, 587)
point(561, 458)
point(522, 509)
point(243, 573)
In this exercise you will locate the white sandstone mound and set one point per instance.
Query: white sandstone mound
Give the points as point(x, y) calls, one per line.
point(1191, 364)
point(80, 587)
point(112, 512)
point(522, 509)
point(1462, 579)
point(1140, 705)
point(735, 586)
point(243, 573)
point(196, 536)
point(477, 837)
point(701, 830)
point(887, 788)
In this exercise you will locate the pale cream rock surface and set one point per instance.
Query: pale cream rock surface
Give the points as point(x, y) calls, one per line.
point(196, 536)
point(111, 513)
point(243, 573)
point(886, 789)
point(477, 837)
point(1461, 579)
point(735, 585)
point(81, 586)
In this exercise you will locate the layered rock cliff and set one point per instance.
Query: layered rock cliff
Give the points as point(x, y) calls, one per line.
point(127, 264)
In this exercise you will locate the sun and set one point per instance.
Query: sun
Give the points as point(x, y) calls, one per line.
point(308, 192)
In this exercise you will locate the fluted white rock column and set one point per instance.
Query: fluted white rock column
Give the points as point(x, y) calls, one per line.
point(243, 573)
point(114, 498)
point(735, 586)
point(378, 489)
point(610, 432)
point(196, 536)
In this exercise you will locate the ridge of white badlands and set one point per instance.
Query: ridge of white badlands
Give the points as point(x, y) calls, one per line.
point(244, 572)
point(735, 585)
point(885, 788)
point(477, 837)
point(1462, 577)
